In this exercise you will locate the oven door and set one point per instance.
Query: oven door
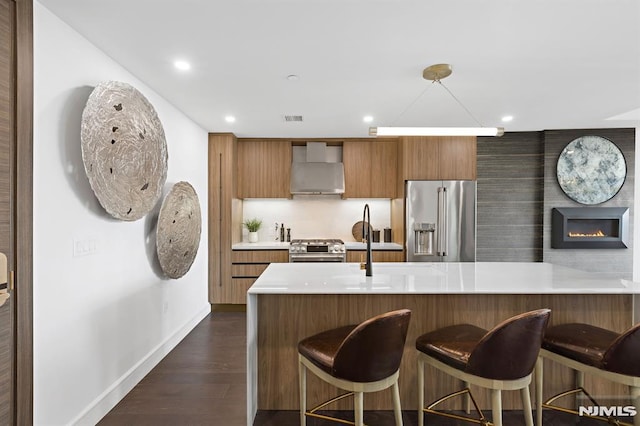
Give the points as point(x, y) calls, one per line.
point(316, 257)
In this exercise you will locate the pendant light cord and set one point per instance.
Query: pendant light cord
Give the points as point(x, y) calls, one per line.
point(448, 91)
point(459, 103)
point(411, 104)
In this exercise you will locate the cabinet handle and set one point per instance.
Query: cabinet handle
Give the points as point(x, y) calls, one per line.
point(220, 219)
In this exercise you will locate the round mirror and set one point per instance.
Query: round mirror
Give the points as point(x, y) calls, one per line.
point(591, 170)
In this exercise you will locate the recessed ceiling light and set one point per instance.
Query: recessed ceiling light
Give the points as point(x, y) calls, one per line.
point(507, 118)
point(293, 77)
point(367, 119)
point(230, 119)
point(182, 65)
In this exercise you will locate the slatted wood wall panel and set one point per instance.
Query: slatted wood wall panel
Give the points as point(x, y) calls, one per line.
point(7, 31)
point(510, 198)
point(613, 262)
point(23, 292)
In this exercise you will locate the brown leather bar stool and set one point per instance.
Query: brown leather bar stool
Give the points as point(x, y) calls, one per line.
point(500, 359)
point(356, 358)
point(593, 350)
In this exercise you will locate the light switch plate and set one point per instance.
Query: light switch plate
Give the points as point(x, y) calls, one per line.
point(84, 247)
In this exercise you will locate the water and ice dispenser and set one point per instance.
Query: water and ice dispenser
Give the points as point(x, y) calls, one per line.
point(424, 238)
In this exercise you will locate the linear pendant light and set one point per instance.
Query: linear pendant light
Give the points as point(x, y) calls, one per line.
point(436, 131)
point(436, 73)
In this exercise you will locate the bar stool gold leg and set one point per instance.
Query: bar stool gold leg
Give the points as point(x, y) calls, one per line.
point(579, 384)
point(420, 392)
point(496, 406)
point(302, 377)
point(396, 404)
point(359, 408)
point(526, 405)
point(635, 400)
point(538, 378)
point(467, 399)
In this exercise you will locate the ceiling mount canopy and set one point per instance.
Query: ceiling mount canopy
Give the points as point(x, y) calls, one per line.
point(435, 73)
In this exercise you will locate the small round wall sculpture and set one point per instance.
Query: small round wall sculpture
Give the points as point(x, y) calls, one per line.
point(124, 150)
point(178, 232)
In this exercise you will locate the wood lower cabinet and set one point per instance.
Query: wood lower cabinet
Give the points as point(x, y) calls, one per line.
point(378, 256)
point(246, 267)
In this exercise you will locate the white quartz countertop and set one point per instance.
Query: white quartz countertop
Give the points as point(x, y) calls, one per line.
point(435, 278)
point(277, 245)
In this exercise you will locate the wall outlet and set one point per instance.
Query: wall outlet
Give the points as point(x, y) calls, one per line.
point(165, 307)
point(84, 247)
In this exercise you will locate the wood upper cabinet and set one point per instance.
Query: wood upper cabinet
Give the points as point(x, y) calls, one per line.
point(458, 158)
point(356, 157)
point(370, 168)
point(264, 168)
point(432, 158)
point(384, 168)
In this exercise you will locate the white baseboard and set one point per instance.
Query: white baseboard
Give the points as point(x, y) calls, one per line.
point(100, 406)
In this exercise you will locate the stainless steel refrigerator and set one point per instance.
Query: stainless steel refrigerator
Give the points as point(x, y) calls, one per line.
point(440, 223)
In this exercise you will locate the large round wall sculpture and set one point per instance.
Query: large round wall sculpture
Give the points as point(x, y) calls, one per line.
point(178, 232)
point(124, 150)
point(591, 170)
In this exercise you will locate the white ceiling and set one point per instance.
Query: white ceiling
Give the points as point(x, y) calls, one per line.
point(552, 64)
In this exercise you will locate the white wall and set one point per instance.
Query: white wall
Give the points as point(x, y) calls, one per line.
point(101, 321)
point(314, 217)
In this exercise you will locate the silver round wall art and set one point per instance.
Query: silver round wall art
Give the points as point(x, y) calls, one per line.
point(124, 150)
point(178, 231)
point(591, 170)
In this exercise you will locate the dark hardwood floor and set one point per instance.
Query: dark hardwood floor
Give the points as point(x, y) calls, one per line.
point(203, 382)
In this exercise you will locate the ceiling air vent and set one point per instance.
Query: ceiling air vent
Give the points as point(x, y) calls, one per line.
point(292, 118)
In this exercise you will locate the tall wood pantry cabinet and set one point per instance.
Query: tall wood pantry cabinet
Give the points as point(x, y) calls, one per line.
point(225, 215)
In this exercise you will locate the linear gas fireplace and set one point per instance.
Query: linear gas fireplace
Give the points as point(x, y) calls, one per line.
point(589, 227)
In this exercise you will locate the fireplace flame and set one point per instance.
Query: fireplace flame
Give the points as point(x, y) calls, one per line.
point(598, 233)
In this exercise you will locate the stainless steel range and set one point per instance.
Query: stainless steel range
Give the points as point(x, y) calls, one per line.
point(317, 250)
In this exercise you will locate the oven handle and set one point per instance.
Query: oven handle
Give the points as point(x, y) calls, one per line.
point(316, 258)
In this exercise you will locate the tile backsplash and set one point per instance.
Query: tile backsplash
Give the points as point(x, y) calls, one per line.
point(314, 217)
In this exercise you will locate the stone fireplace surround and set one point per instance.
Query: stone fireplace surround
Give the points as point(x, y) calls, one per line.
point(602, 262)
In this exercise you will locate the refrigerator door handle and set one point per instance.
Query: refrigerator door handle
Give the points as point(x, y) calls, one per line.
point(440, 219)
point(445, 218)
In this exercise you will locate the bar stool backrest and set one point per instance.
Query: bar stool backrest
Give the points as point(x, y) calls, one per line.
point(373, 350)
point(509, 350)
point(623, 356)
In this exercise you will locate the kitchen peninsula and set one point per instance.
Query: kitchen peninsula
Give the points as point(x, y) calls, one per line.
point(291, 301)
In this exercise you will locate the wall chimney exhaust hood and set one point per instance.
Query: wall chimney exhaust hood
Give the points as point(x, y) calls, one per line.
point(314, 174)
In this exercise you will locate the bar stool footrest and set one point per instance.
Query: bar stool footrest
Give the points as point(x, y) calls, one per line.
point(313, 412)
point(482, 420)
point(549, 404)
